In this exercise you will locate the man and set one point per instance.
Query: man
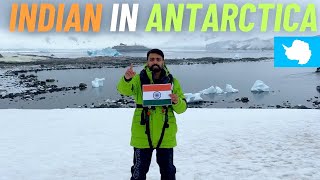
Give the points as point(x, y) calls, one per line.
point(153, 127)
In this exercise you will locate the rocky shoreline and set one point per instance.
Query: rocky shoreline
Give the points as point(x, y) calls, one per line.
point(36, 87)
point(115, 62)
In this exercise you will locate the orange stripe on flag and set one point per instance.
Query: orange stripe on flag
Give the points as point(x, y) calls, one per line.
point(157, 87)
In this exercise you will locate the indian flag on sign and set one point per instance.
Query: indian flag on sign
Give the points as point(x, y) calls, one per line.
point(156, 94)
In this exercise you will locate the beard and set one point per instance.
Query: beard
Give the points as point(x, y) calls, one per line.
point(155, 68)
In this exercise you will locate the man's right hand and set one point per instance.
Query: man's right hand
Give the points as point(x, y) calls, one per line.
point(129, 73)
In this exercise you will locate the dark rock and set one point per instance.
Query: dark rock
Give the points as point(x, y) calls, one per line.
point(51, 90)
point(244, 99)
point(42, 83)
point(316, 102)
point(11, 95)
point(278, 106)
point(22, 76)
point(82, 86)
point(300, 107)
point(50, 80)
point(32, 76)
point(54, 86)
point(114, 106)
point(1, 56)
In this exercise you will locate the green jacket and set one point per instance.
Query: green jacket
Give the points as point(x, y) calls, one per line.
point(139, 138)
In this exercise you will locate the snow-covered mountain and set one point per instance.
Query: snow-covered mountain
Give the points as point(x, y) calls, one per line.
point(250, 44)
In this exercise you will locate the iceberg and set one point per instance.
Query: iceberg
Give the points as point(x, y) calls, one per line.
point(230, 89)
point(97, 82)
point(193, 97)
point(104, 52)
point(212, 90)
point(219, 90)
point(260, 86)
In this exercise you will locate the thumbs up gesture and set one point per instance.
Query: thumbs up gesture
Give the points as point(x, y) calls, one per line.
point(129, 73)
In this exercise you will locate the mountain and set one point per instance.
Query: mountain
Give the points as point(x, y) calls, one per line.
point(250, 44)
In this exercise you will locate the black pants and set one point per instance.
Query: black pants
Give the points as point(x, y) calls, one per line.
point(142, 160)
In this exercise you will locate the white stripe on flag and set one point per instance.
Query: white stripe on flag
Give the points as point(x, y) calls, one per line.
point(150, 95)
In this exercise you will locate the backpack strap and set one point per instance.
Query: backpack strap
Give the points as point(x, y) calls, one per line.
point(165, 125)
point(147, 123)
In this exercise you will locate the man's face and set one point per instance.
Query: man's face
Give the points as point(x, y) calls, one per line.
point(155, 62)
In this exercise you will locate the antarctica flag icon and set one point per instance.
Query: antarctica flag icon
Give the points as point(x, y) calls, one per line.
point(297, 51)
point(156, 94)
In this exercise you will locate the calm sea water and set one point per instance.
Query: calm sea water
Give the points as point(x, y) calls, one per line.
point(295, 85)
point(169, 53)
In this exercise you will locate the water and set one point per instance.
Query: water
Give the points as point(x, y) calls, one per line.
point(169, 53)
point(295, 85)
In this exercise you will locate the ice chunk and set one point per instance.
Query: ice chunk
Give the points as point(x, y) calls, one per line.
point(230, 89)
point(210, 90)
point(259, 86)
point(97, 82)
point(193, 97)
point(3, 92)
point(104, 52)
point(219, 90)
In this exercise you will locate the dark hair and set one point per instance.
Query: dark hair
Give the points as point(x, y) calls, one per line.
point(156, 51)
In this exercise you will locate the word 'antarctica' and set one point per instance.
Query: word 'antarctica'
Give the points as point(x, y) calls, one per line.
point(48, 17)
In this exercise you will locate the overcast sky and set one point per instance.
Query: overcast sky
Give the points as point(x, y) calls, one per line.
point(105, 38)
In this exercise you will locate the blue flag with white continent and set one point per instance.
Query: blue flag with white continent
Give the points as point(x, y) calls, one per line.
point(297, 51)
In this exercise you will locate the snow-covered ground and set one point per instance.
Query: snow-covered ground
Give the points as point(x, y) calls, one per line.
point(15, 57)
point(212, 144)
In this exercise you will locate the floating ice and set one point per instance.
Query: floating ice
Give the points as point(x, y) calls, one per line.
point(230, 89)
point(104, 52)
point(193, 97)
point(210, 90)
point(219, 90)
point(97, 82)
point(259, 86)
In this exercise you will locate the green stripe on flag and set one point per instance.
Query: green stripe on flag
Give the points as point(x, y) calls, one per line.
point(157, 102)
